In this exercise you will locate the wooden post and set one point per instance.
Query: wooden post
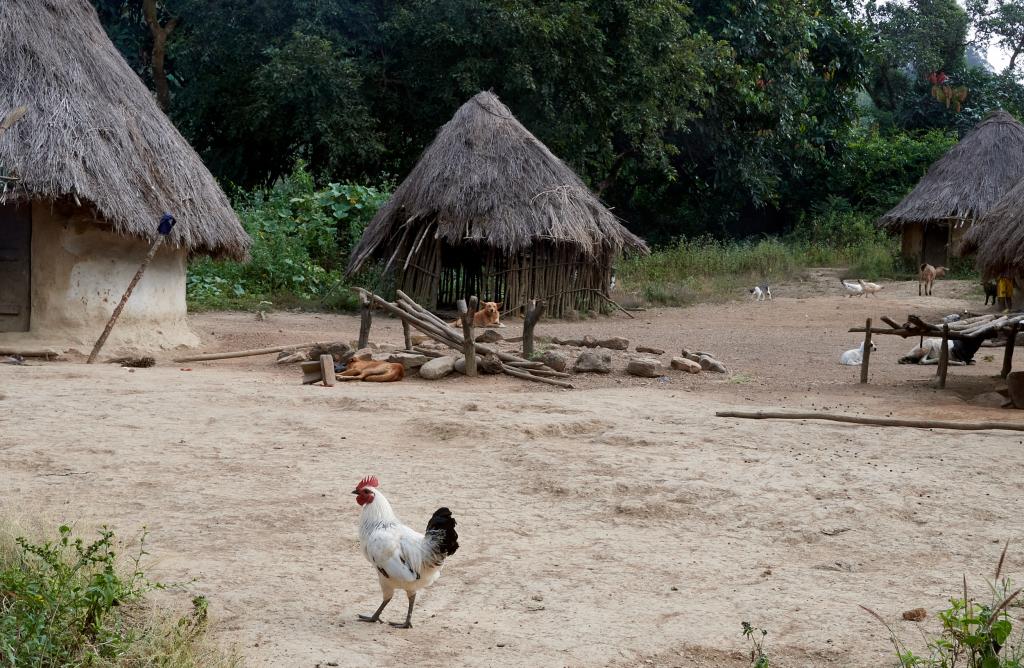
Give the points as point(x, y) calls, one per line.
point(365, 322)
point(327, 368)
point(534, 311)
point(166, 224)
point(867, 353)
point(468, 345)
point(943, 357)
point(407, 333)
point(1011, 341)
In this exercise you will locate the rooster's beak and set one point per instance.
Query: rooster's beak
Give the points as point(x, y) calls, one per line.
point(355, 491)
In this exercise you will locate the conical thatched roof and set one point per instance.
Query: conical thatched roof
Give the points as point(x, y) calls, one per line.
point(94, 135)
point(485, 178)
point(969, 179)
point(999, 236)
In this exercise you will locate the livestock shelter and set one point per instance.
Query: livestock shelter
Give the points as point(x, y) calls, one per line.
point(489, 211)
point(959, 188)
point(85, 175)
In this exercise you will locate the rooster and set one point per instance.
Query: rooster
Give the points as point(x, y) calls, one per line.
point(853, 288)
point(404, 558)
point(870, 288)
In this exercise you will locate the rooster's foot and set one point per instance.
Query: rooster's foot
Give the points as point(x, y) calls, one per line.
point(369, 618)
point(403, 625)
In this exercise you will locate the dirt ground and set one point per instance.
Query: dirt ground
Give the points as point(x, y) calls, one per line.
point(620, 523)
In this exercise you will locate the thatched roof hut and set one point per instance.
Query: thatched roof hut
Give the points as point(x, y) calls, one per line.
point(489, 210)
point(999, 236)
point(960, 188)
point(85, 176)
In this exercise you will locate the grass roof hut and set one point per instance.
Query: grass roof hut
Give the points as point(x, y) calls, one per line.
point(999, 237)
point(959, 188)
point(489, 211)
point(84, 178)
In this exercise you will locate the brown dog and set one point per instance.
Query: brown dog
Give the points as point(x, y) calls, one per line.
point(489, 315)
point(372, 371)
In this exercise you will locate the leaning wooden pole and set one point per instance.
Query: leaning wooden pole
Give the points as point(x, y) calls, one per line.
point(874, 421)
point(866, 358)
point(468, 346)
point(943, 357)
point(166, 224)
point(1011, 341)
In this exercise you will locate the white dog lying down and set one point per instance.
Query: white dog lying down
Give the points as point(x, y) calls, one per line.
point(961, 352)
point(855, 357)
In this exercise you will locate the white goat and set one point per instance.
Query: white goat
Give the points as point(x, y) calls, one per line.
point(855, 357)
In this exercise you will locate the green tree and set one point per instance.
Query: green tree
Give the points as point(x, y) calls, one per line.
point(1001, 22)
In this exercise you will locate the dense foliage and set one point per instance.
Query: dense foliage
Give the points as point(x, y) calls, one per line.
point(733, 117)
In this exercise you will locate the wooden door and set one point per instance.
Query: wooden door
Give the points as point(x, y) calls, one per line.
point(15, 267)
point(936, 244)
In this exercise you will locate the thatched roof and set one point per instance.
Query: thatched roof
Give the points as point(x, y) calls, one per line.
point(94, 135)
point(485, 178)
point(969, 179)
point(999, 236)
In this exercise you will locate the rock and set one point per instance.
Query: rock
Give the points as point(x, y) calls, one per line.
point(489, 336)
point(339, 350)
point(683, 364)
point(555, 359)
point(387, 348)
point(711, 364)
point(589, 342)
point(409, 360)
point(614, 343)
point(645, 367)
point(592, 362)
point(915, 615)
point(575, 343)
point(693, 357)
point(648, 349)
point(438, 368)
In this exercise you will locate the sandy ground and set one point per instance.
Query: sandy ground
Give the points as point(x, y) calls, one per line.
point(620, 523)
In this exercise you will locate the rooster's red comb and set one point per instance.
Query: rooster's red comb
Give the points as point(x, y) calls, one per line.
point(368, 481)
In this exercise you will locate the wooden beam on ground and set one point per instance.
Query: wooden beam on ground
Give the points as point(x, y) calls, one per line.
point(866, 358)
point(1011, 340)
point(873, 421)
point(244, 353)
point(327, 369)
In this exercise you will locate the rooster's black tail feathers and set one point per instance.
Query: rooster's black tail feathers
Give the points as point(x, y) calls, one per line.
point(441, 528)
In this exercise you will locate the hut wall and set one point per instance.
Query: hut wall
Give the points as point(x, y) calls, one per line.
point(79, 273)
point(912, 241)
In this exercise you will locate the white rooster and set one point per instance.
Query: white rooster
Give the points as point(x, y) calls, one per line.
point(853, 288)
point(404, 558)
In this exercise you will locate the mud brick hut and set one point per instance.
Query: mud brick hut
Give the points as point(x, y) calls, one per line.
point(85, 175)
point(489, 211)
point(959, 189)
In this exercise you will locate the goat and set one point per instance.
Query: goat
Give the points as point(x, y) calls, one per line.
point(926, 277)
point(855, 357)
point(961, 351)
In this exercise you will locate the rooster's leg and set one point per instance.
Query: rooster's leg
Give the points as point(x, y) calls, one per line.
point(376, 616)
point(408, 616)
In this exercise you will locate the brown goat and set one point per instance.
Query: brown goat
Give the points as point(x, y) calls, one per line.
point(927, 276)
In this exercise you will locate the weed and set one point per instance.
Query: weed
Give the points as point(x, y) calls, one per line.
point(758, 657)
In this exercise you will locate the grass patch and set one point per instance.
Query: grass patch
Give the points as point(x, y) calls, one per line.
point(70, 601)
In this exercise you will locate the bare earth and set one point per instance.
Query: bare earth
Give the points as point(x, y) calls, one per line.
point(620, 523)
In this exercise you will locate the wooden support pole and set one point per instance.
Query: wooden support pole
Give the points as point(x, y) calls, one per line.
point(365, 321)
point(327, 368)
point(867, 353)
point(1011, 341)
point(407, 333)
point(943, 357)
point(533, 313)
point(468, 345)
point(124, 298)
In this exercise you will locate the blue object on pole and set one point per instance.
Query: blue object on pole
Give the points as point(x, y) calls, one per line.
point(167, 222)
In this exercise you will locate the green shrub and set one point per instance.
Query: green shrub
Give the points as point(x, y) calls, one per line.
point(70, 603)
point(302, 237)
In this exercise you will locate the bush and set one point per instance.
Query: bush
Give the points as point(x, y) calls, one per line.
point(70, 603)
point(302, 237)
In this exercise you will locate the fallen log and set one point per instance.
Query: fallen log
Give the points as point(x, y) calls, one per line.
point(244, 353)
point(874, 421)
point(540, 379)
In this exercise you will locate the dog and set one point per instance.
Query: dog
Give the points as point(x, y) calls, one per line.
point(990, 291)
point(926, 277)
point(372, 371)
point(961, 352)
point(489, 315)
point(760, 291)
point(855, 357)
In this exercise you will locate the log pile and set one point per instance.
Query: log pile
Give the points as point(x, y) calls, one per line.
point(432, 326)
point(986, 326)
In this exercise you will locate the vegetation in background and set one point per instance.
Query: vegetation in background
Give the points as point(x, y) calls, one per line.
point(302, 236)
point(974, 634)
point(69, 602)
